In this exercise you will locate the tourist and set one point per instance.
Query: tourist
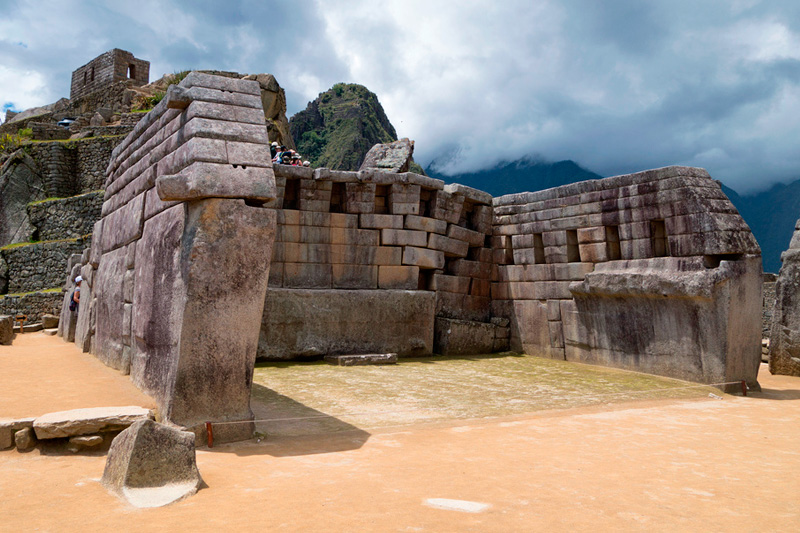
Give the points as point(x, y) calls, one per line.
point(306, 163)
point(273, 150)
point(75, 300)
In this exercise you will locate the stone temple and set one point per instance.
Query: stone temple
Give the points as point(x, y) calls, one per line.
point(208, 257)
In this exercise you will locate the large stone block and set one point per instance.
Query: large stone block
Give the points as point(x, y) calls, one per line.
point(151, 465)
point(423, 257)
point(6, 329)
point(313, 323)
point(463, 337)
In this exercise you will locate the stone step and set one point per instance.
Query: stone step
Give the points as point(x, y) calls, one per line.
point(362, 359)
point(87, 421)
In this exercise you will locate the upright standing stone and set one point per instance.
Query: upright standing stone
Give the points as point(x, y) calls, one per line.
point(151, 465)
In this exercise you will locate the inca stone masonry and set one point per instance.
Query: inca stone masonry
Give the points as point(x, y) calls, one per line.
point(207, 257)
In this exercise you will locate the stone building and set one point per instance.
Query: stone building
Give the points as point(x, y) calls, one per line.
point(106, 69)
point(207, 256)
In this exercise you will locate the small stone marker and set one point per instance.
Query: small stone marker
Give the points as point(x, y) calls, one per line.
point(457, 505)
point(151, 465)
point(86, 421)
point(362, 359)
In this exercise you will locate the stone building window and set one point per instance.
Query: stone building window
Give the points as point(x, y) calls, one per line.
point(131, 71)
point(338, 197)
point(291, 194)
point(381, 199)
point(658, 238)
point(85, 77)
point(573, 251)
point(91, 74)
point(612, 243)
point(538, 249)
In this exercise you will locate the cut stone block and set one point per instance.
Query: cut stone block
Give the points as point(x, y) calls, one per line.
point(428, 224)
point(25, 439)
point(314, 323)
point(463, 337)
point(450, 247)
point(151, 465)
point(423, 257)
point(398, 277)
point(401, 237)
point(86, 421)
point(362, 359)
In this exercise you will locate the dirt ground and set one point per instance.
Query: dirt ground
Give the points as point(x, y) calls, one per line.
point(697, 464)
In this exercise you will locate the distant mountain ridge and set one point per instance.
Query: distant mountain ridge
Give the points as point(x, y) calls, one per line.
point(771, 214)
point(523, 175)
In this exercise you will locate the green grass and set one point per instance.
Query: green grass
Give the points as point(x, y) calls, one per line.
point(31, 243)
point(54, 198)
point(22, 294)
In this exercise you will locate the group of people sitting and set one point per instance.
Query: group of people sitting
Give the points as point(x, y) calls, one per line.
point(282, 156)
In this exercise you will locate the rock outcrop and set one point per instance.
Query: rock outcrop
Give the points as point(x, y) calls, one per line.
point(396, 156)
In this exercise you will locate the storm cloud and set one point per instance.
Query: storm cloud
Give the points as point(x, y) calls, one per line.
point(617, 86)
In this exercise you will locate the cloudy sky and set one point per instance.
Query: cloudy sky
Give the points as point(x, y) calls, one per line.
point(616, 85)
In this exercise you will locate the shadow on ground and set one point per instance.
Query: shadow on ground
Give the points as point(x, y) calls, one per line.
point(287, 428)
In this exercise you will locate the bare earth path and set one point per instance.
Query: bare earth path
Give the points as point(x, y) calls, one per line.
point(667, 465)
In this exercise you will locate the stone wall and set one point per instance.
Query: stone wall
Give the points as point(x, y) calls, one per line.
point(654, 271)
point(47, 131)
point(769, 304)
point(113, 66)
point(784, 339)
point(372, 230)
point(92, 160)
point(66, 218)
point(175, 282)
point(37, 266)
point(33, 305)
point(57, 163)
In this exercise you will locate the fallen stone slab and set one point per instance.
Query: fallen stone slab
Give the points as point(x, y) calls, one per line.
point(362, 359)
point(86, 421)
point(10, 426)
point(151, 465)
point(51, 331)
point(29, 328)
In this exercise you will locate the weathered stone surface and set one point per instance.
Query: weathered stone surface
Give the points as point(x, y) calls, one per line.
point(313, 323)
point(151, 465)
point(24, 439)
point(87, 421)
point(390, 157)
point(362, 359)
point(661, 302)
point(20, 183)
point(49, 321)
point(214, 262)
point(210, 180)
point(463, 337)
point(6, 329)
point(8, 427)
point(784, 340)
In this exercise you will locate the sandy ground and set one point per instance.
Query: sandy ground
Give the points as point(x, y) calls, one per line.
point(669, 465)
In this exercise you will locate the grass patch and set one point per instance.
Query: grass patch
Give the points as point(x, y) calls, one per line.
point(22, 294)
point(21, 244)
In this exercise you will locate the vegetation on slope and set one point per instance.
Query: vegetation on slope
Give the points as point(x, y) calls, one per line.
point(338, 128)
